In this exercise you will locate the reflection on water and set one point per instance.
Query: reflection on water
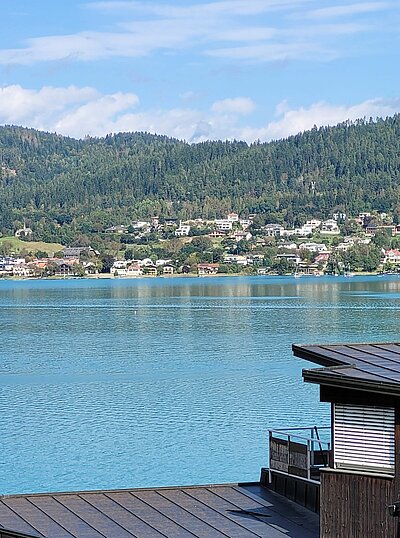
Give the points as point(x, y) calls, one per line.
point(124, 383)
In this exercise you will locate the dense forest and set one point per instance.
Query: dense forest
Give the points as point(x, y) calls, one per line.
point(58, 184)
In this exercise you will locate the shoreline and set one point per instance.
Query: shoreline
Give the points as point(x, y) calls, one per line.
point(109, 276)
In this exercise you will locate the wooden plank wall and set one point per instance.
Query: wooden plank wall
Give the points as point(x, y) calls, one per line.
point(355, 506)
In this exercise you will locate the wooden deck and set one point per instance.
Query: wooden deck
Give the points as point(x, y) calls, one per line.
point(218, 511)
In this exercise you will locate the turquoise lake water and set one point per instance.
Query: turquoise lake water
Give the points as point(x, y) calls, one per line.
point(150, 382)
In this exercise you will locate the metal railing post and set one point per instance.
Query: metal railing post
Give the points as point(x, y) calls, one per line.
point(269, 456)
point(312, 460)
point(308, 437)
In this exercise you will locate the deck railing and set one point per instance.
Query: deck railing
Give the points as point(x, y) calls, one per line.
point(299, 452)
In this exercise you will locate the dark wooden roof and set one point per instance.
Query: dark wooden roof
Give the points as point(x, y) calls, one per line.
point(373, 367)
point(236, 511)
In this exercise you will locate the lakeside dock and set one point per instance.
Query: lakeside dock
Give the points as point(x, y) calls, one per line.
point(214, 511)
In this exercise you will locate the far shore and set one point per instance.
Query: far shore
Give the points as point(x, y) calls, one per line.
point(109, 276)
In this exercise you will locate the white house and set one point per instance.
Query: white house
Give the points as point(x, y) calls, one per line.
point(168, 269)
point(289, 257)
point(245, 223)
point(330, 226)
point(235, 258)
point(223, 225)
point(22, 270)
point(273, 230)
point(314, 247)
point(242, 236)
point(313, 223)
point(146, 262)
point(233, 217)
point(288, 246)
point(392, 256)
point(119, 264)
point(183, 230)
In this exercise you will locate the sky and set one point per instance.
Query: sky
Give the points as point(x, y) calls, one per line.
point(197, 69)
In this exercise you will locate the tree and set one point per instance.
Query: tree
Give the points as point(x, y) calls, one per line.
point(6, 248)
point(41, 254)
point(382, 238)
point(78, 270)
point(128, 254)
point(363, 257)
point(107, 262)
point(201, 243)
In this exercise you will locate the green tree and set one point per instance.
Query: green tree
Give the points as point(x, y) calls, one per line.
point(107, 262)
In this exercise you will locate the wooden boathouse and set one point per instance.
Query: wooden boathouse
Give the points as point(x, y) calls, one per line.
point(351, 476)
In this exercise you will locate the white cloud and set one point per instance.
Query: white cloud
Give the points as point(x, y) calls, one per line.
point(293, 121)
point(68, 111)
point(348, 10)
point(39, 107)
point(218, 28)
point(76, 112)
point(237, 105)
point(196, 9)
point(98, 116)
point(274, 52)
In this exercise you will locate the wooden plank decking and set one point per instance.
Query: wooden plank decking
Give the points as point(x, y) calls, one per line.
point(220, 511)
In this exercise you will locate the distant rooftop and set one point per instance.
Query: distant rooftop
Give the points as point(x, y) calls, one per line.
point(373, 367)
point(237, 511)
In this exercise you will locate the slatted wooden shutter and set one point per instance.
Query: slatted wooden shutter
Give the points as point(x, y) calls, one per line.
point(364, 438)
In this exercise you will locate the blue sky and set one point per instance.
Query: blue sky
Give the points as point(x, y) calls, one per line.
point(197, 69)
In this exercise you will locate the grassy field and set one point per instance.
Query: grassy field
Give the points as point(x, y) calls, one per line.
point(17, 246)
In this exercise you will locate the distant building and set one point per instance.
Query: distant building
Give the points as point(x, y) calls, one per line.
point(134, 270)
point(217, 233)
point(372, 230)
point(330, 226)
point(22, 270)
point(392, 256)
point(289, 257)
point(24, 232)
point(168, 269)
point(340, 216)
point(140, 224)
point(313, 247)
point(322, 259)
point(245, 223)
point(119, 229)
point(150, 270)
point(146, 262)
point(204, 269)
point(183, 230)
point(273, 230)
point(223, 225)
point(75, 252)
point(118, 268)
point(233, 217)
point(242, 236)
point(239, 259)
point(288, 246)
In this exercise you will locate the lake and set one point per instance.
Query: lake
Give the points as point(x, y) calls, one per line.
point(166, 381)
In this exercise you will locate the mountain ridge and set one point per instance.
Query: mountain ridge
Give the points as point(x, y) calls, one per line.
point(351, 167)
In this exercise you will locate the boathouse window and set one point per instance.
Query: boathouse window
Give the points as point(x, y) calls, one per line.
point(364, 438)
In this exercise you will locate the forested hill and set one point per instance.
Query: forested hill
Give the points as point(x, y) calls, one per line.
point(96, 181)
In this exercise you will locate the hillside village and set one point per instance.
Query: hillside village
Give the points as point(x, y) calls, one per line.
point(369, 242)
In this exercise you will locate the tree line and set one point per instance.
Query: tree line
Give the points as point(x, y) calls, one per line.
point(63, 187)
